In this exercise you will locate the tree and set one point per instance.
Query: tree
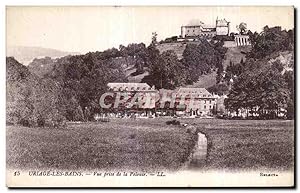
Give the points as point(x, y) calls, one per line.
point(202, 58)
point(84, 78)
point(154, 38)
point(166, 71)
point(137, 54)
point(219, 89)
point(270, 40)
point(260, 86)
point(289, 78)
point(174, 73)
point(242, 28)
point(219, 74)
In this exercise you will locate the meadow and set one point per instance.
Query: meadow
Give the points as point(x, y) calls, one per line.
point(118, 144)
point(151, 144)
point(248, 144)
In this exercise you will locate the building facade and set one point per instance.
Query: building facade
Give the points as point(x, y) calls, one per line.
point(196, 101)
point(222, 27)
point(242, 40)
point(132, 97)
point(202, 30)
point(191, 102)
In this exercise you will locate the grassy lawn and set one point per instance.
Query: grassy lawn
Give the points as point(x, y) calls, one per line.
point(248, 144)
point(139, 145)
point(151, 144)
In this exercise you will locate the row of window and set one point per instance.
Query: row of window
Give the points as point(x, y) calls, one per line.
point(210, 107)
point(203, 34)
point(205, 101)
point(132, 88)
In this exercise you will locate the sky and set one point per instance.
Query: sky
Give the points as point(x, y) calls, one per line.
point(85, 29)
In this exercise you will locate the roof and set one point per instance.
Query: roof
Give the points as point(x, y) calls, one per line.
point(241, 35)
point(191, 26)
point(222, 22)
point(208, 26)
point(122, 86)
point(195, 22)
point(197, 92)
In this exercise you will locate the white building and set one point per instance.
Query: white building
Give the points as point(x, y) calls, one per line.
point(203, 30)
point(197, 101)
point(242, 40)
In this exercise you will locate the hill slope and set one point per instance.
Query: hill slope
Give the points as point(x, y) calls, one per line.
point(205, 81)
point(177, 47)
point(41, 66)
point(30, 101)
point(235, 55)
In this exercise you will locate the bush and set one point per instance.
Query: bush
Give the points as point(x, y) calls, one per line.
point(223, 38)
point(173, 122)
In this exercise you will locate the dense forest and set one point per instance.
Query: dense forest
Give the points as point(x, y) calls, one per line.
point(32, 101)
point(264, 83)
point(167, 71)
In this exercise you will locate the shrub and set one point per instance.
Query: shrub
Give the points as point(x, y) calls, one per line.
point(173, 122)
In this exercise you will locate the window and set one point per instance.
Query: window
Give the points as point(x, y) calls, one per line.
point(210, 107)
point(204, 101)
point(209, 101)
point(204, 106)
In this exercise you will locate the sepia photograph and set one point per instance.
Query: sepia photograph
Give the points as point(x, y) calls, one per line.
point(150, 96)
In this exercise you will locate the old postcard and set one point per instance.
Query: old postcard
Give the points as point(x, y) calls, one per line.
point(165, 96)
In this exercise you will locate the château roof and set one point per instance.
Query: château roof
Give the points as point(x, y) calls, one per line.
point(208, 26)
point(195, 23)
point(222, 22)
